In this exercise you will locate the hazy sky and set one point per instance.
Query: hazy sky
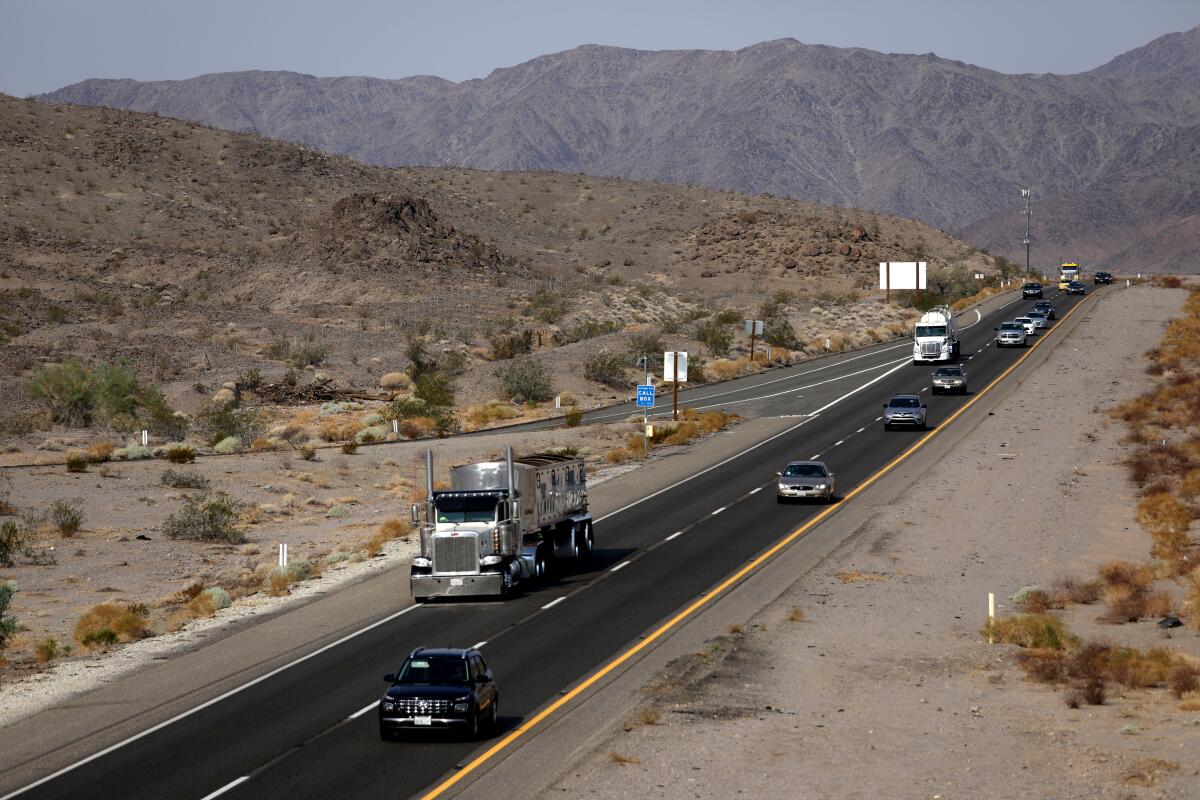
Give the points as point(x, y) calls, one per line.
point(46, 44)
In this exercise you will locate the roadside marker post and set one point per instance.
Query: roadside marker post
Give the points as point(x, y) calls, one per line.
point(145, 438)
point(396, 426)
point(283, 558)
point(991, 617)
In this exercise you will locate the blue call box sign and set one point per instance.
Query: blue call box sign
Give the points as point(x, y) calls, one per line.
point(645, 396)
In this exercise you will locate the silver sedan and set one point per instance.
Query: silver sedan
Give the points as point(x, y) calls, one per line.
point(806, 480)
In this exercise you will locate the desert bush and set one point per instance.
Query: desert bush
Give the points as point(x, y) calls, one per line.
point(350, 448)
point(617, 455)
point(389, 530)
point(99, 452)
point(308, 354)
point(547, 305)
point(1045, 665)
point(778, 332)
point(49, 649)
point(646, 343)
point(249, 380)
point(1092, 692)
point(485, 413)
point(608, 368)
point(8, 624)
point(525, 380)
point(728, 316)
point(218, 597)
point(131, 452)
point(178, 479)
point(588, 329)
point(1184, 679)
point(713, 421)
point(108, 623)
point(307, 451)
point(1166, 518)
point(682, 433)
point(1126, 591)
point(228, 446)
point(207, 517)
point(68, 390)
point(406, 408)
point(1042, 631)
point(1069, 590)
point(635, 445)
point(573, 416)
point(77, 461)
point(221, 421)
point(369, 435)
point(180, 453)
point(435, 390)
point(66, 516)
point(715, 335)
point(511, 345)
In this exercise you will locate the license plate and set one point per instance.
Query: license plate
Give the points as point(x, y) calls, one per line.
point(422, 720)
point(456, 581)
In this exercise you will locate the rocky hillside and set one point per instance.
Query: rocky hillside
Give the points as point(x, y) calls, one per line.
point(198, 254)
point(917, 136)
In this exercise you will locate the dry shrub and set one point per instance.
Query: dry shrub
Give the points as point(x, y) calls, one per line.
point(649, 716)
point(617, 455)
point(1035, 601)
point(418, 427)
point(1126, 591)
point(713, 421)
point(1092, 692)
point(278, 583)
point(796, 614)
point(689, 414)
point(1146, 771)
point(77, 461)
point(99, 452)
point(683, 433)
point(1042, 631)
point(333, 430)
point(636, 445)
point(1067, 590)
point(390, 529)
point(180, 453)
point(1167, 519)
point(349, 448)
point(1184, 679)
point(617, 758)
point(49, 649)
point(486, 413)
point(1043, 664)
point(1191, 703)
point(723, 369)
point(1192, 604)
point(109, 623)
point(573, 417)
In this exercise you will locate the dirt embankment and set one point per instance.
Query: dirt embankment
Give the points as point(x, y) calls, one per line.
point(881, 685)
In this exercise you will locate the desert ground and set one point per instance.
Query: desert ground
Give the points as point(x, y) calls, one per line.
point(871, 677)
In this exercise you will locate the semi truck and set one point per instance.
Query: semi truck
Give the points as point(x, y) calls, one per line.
point(1067, 272)
point(935, 337)
point(499, 525)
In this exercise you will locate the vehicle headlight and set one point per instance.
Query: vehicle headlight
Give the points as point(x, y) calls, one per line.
point(388, 705)
point(819, 486)
point(462, 704)
point(421, 561)
point(945, 346)
point(489, 561)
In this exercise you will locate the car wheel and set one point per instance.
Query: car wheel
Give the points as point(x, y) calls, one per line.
point(494, 719)
point(887, 427)
point(385, 734)
point(473, 726)
point(779, 499)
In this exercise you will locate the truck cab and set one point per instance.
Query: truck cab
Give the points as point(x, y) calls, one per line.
point(934, 337)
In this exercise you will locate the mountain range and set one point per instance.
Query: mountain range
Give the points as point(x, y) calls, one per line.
point(1109, 153)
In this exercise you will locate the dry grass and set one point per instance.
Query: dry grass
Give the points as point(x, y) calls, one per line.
point(1043, 664)
point(617, 758)
point(278, 583)
point(649, 716)
point(484, 414)
point(1191, 703)
point(1067, 590)
point(796, 614)
point(1166, 518)
point(109, 623)
point(339, 430)
point(99, 452)
point(1039, 631)
point(1184, 679)
point(636, 446)
point(389, 530)
point(857, 576)
point(77, 461)
point(1146, 771)
point(418, 427)
point(1191, 606)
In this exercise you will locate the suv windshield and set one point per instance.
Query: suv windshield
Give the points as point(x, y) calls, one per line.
point(466, 509)
point(948, 372)
point(431, 670)
point(804, 471)
point(905, 402)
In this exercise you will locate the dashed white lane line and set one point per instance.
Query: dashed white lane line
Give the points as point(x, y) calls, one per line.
point(673, 535)
point(878, 418)
point(478, 645)
point(228, 786)
point(718, 511)
point(838, 442)
point(360, 712)
point(553, 603)
point(860, 430)
point(620, 566)
point(756, 490)
point(815, 457)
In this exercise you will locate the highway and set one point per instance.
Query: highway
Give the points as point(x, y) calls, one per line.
point(309, 730)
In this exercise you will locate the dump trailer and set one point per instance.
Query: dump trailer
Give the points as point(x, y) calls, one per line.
point(935, 337)
point(500, 524)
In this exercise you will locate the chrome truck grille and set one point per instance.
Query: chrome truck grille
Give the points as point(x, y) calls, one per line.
point(456, 553)
point(930, 348)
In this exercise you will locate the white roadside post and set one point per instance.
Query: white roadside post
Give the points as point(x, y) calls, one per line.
point(991, 617)
point(283, 555)
point(145, 438)
point(396, 426)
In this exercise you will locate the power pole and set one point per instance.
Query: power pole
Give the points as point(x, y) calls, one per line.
point(1028, 195)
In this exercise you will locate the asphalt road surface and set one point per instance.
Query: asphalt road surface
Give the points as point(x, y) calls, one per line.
point(310, 730)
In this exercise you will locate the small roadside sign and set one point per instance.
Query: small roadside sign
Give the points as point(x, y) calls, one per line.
point(754, 327)
point(645, 395)
point(670, 359)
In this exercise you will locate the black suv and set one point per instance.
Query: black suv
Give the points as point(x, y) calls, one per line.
point(1046, 307)
point(1031, 290)
point(1075, 287)
point(446, 689)
point(1102, 277)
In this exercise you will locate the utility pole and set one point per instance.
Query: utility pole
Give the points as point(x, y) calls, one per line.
point(1027, 241)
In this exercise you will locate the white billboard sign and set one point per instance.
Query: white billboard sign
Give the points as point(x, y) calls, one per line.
point(669, 361)
point(901, 275)
point(754, 327)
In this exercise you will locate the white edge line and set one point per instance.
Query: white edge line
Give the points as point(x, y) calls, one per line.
point(673, 535)
point(554, 602)
point(211, 702)
point(226, 787)
point(478, 645)
point(620, 566)
point(364, 710)
point(756, 490)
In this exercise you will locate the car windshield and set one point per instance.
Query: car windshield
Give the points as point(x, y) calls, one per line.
point(931, 330)
point(1009, 326)
point(1023, 319)
point(432, 670)
point(466, 509)
point(804, 471)
point(1033, 286)
point(905, 402)
point(948, 372)
point(1036, 314)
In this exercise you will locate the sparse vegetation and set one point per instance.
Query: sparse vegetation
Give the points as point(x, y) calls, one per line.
point(77, 461)
point(525, 380)
point(207, 517)
point(715, 335)
point(109, 623)
point(178, 479)
point(67, 517)
point(8, 624)
point(180, 453)
point(608, 368)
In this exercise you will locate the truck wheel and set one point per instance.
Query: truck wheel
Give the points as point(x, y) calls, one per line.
point(543, 564)
point(588, 546)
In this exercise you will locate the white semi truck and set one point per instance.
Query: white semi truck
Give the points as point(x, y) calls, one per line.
point(935, 337)
point(500, 523)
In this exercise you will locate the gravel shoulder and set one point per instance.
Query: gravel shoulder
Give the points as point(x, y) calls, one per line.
point(886, 688)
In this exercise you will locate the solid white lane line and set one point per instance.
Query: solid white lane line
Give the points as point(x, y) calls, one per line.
point(620, 566)
point(553, 602)
point(673, 535)
point(838, 442)
point(718, 511)
point(858, 389)
point(224, 788)
point(478, 645)
point(364, 710)
point(756, 490)
point(206, 704)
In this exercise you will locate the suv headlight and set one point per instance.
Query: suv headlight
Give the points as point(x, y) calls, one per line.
point(461, 704)
point(421, 561)
point(489, 561)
